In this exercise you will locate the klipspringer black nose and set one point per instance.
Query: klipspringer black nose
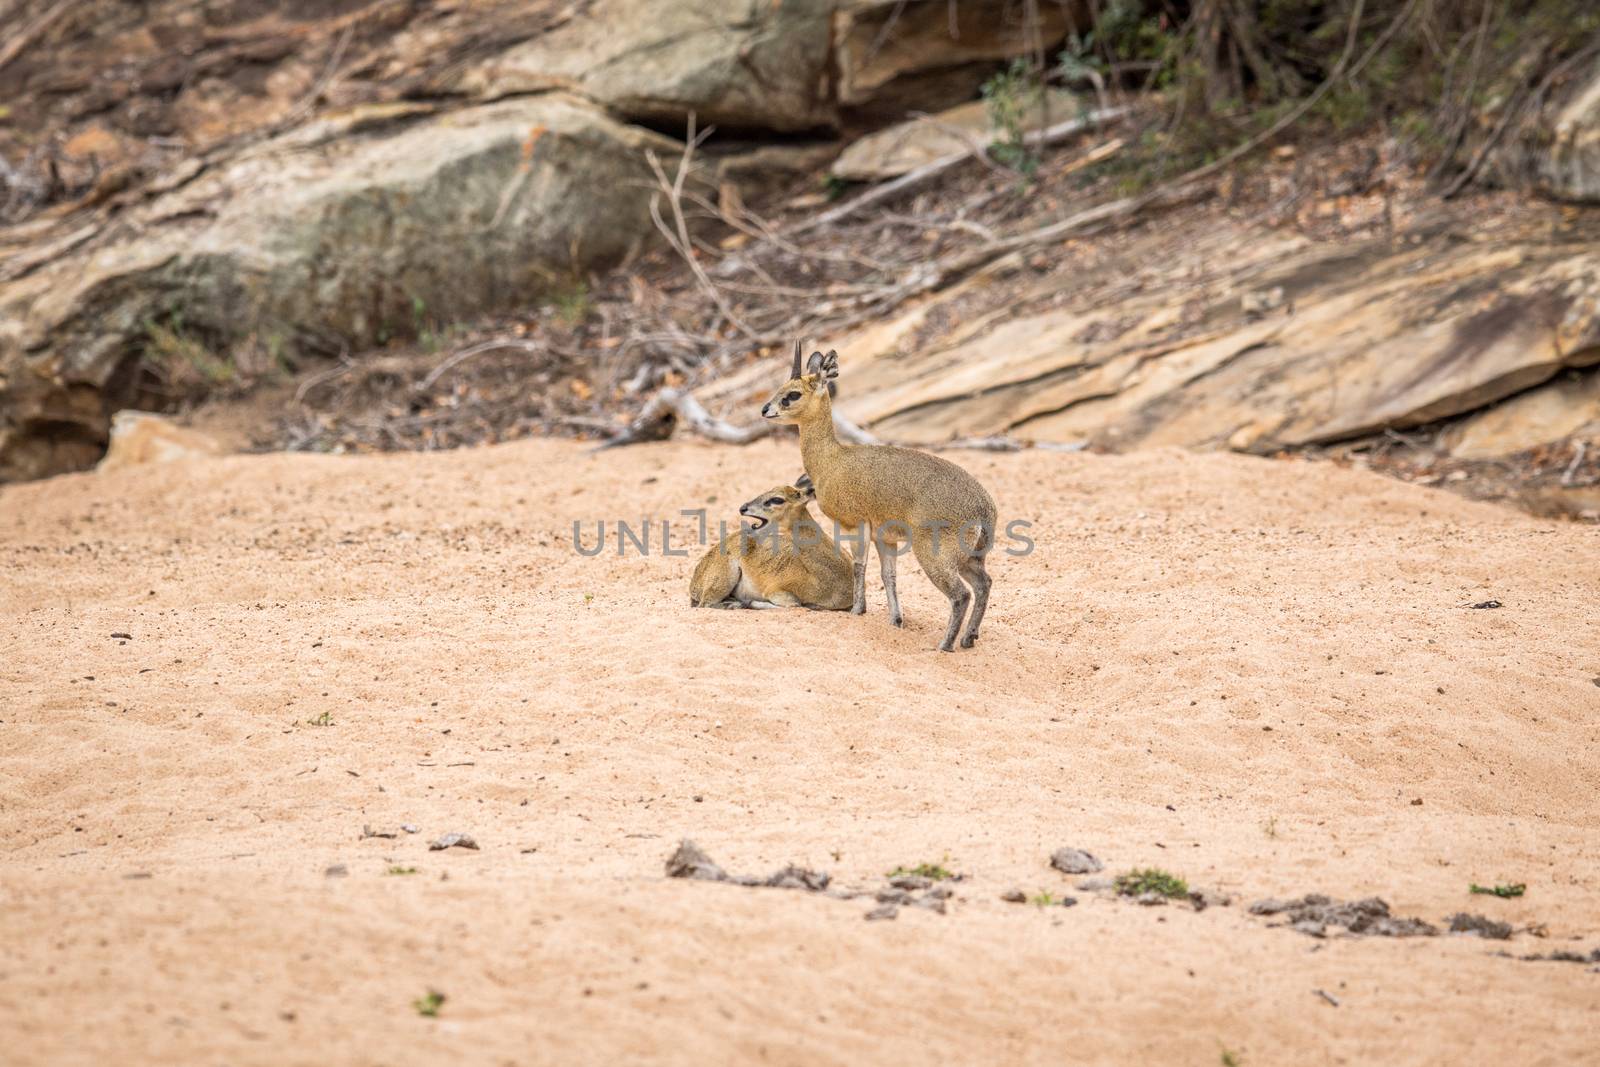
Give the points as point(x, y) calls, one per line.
point(766, 410)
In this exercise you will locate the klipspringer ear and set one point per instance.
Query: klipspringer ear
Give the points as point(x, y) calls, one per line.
point(825, 367)
point(807, 489)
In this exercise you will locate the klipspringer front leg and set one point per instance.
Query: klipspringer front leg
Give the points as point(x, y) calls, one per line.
point(887, 555)
point(860, 548)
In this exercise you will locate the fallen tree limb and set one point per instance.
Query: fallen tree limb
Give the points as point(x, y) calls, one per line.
point(672, 408)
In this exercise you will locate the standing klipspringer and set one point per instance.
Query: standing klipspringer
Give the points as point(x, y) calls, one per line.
point(889, 495)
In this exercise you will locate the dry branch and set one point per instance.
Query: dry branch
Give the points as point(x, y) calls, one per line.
point(673, 407)
point(678, 237)
point(29, 33)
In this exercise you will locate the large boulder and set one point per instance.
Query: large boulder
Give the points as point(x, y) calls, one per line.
point(1554, 149)
point(1569, 164)
point(335, 236)
point(732, 62)
point(895, 55)
point(756, 64)
point(139, 438)
point(1567, 406)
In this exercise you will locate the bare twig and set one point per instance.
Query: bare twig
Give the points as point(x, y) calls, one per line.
point(344, 366)
point(673, 190)
point(467, 353)
point(29, 33)
point(1578, 450)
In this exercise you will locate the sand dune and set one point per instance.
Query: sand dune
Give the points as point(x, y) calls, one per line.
point(1245, 672)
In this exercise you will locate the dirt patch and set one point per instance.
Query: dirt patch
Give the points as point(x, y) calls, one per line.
point(1174, 606)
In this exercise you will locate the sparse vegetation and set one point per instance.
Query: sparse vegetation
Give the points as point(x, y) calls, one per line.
point(401, 870)
point(1231, 1059)
point(1151, 880)
point(184, 362)
point(1504, 892)
point(325, 719)
point(573, 303)
point(1009, 95)
point(938, 872)
point(1044, 899)
point(429, 1005)
point(1236, 72)
point(1270, 827)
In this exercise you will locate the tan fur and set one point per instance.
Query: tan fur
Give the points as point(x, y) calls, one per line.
point(789, 561)
point(887, 494)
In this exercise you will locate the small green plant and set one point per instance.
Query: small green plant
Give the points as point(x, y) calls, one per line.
point(1008, 95)
point(1504, 892)
point(1151, 880)
point(181, 356)
point(572, 302)
point(587, 597)
point(1043, 899)
point(325, 719)
point(924, 870)
point(1270, 827)
point(419, 322)
point(833, 186)
point(429, 1005)
point(1231, 1058)
point(401, 870)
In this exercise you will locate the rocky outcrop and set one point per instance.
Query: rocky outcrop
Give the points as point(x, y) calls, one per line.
point(233, 187)
point(1253, 341)
point(732, 62)
point(893, 56)
point(339, 234)
point(1568, 165)
point(1567, 406)
point(1554, 148)
point(792, 66)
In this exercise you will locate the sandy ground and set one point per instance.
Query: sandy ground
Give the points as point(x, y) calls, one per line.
point(1248, 673)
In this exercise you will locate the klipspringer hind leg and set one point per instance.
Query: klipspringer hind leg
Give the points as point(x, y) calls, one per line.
point(941, 570)
point(972, 570)
point(970, 565)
